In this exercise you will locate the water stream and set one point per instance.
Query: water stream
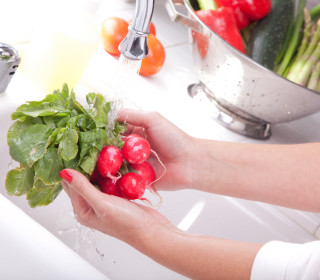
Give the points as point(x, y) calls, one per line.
point(84, 237)
point(124, 78)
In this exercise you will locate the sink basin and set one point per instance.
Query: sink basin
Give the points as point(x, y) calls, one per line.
point(28, 249)
point(91, 252)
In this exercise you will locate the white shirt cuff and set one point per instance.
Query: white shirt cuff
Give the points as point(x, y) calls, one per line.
point(278, 260)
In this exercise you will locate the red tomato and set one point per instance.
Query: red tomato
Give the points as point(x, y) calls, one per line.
point(155, 59)
point(113, 31)
point(152, 29)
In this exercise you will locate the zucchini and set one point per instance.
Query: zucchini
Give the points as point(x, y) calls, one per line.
point(269, 34)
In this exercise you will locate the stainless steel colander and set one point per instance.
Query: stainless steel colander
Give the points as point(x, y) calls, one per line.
point(246, 97)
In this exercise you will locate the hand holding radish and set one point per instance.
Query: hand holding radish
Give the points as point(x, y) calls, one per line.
point(112, 215)
point(173, 147)
point(218, 167)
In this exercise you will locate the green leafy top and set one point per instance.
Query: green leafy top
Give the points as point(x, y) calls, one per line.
point(56, 133)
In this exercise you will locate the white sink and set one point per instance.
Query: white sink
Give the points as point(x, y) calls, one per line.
point(44, 237)
point(28, 249)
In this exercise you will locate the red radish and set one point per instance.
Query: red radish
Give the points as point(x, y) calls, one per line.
point(94, 177)
point(109, 161)
point(108, 186)
point(131, 136)
point(131, 186)
point(146, 172)
point(136, 150)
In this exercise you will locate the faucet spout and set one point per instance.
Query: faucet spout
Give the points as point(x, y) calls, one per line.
point(134, 46)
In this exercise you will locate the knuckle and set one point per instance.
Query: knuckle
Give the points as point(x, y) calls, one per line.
point(153, 117)
point(154, 114)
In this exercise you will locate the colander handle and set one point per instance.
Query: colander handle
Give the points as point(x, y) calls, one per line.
point(178, 17)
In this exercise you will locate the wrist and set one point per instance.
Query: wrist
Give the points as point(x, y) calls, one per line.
point(192, 164)
point(154, 237)
point(201, 165)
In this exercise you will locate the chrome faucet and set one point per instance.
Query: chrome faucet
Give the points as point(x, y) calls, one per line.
point(134, 46)
point(9, 62)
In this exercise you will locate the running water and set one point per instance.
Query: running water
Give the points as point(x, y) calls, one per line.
point(85, 237)
point(126, 73)
point(129, 66)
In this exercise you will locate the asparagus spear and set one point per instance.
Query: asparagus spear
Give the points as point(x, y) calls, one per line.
point(305, 72)
point(306, 34)
point(308, 57)
point(318, 88)
point(293, 44)
point(314, 78)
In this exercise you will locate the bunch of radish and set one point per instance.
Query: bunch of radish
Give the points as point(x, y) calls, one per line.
point(125, 172)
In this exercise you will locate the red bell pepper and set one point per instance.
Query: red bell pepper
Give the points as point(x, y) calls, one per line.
point(223, 23)
point(202, 43)
point(255, 9)
point(241, 19)
point(246, 10)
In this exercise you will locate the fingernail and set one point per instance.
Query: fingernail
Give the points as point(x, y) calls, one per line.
point(66, 175)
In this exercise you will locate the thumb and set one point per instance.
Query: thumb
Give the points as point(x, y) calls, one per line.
point(80, 184)
point(139, 118)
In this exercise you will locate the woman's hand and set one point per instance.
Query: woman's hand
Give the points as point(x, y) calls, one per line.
point(152, 234)
point(115, 216)
point(173, 146)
